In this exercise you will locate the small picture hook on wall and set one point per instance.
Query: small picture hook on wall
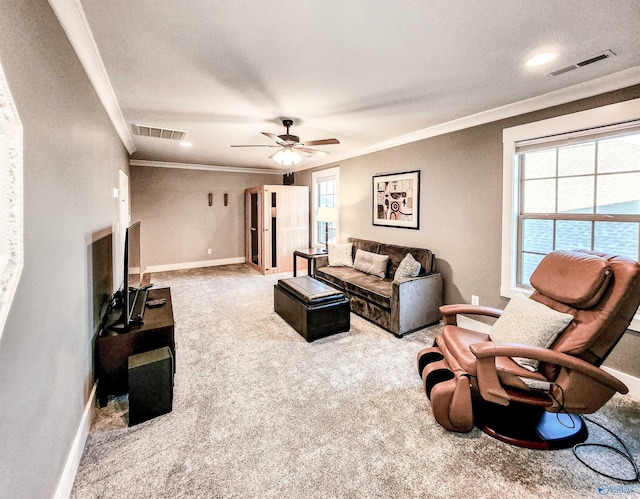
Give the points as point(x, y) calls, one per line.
point(210, 199)
point(226, 199)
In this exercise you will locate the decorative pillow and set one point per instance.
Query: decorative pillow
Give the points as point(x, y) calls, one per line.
point(371, 263)
point(528, 322)
point(340, 255)
point(408, 267)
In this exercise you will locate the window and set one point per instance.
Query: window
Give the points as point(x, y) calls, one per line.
point(11, 241)
point(571, 182)
point(583, 195)
point(325, 194)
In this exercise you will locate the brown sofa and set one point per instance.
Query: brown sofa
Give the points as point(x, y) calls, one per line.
point(398, 306)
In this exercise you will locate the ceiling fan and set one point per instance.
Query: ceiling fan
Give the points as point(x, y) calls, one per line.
point(290, 146)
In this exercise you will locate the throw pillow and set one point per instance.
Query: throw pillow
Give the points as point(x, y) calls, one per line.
point(371, 263)
point(531, 323)
point(409, 267)
point(340, 255)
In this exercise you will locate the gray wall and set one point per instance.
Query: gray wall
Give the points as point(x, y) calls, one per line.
point(460, 206)
point(71, 160)
point(177, 223)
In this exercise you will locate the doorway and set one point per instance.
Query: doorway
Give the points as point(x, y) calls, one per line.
point(124, 219)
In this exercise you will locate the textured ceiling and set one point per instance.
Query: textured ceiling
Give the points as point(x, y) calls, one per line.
point(361, 71)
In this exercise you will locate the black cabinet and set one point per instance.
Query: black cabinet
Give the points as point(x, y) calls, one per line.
point(114, 347)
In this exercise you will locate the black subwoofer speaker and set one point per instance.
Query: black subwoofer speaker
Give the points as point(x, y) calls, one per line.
point(150, 385)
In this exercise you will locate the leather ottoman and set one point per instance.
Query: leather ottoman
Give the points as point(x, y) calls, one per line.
point(311, 307)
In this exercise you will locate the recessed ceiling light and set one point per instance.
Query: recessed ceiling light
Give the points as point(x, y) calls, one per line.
point(541, 59)
point(186, 144)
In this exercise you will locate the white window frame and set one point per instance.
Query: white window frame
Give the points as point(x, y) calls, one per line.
point(11, 212)
point(576, 122)
point(317, 177)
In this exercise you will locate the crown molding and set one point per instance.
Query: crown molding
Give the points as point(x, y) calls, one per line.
point(74, 22)
point(604, 84)
point(12, 200)
point(194, 166)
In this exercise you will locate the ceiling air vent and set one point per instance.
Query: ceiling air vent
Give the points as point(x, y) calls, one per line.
point(160, 133)
point(563, 70)
point(598, 57)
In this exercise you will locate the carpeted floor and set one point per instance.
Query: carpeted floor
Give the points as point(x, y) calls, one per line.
point(259, 413)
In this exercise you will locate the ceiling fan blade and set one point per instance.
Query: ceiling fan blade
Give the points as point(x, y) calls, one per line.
point(314, 152)
point(275, 137)
point(255, 145)
point(322, 142)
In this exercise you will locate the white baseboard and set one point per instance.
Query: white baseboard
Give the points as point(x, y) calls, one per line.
point(632, 382)
point(194, 265)
point(63, 491)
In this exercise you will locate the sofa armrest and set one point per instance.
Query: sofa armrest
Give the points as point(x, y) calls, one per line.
point(320, 261)
point(415, 302)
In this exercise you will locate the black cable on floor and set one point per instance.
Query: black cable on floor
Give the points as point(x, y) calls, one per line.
point(626, 454)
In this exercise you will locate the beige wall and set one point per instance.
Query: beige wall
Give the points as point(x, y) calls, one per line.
point(177, 223)
point(72, 156)
point(460, 207)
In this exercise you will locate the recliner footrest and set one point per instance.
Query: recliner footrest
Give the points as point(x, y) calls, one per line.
point(427, 356)
point(449, 394)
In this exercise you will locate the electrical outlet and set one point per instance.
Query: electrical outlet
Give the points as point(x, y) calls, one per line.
point(209, 251)
point(475, 300)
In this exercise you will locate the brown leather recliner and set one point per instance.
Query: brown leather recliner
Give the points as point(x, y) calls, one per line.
point(473, 381)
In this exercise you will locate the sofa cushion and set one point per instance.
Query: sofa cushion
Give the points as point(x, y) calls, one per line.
point(408, 267)
point(397, 254)
point(358, 283)
point(340, 255)
point(364, 244)
point(371, 288)
point(336, 275)
point(371, 263)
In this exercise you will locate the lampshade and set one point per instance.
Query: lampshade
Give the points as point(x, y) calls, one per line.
point(326, 214)
point(287, 156)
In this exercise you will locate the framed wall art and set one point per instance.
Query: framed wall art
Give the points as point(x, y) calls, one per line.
point(396, 200)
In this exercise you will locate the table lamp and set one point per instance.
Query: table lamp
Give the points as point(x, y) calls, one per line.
point(327, 215)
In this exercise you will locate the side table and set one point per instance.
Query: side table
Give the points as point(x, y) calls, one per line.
point(309, 254)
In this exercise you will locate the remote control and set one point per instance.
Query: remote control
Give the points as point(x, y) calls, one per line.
point(156, 303)
point(536, 384)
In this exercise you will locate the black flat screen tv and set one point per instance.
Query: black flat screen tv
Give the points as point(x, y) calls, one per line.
point(132, 293)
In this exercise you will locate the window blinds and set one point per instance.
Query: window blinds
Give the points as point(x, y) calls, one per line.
point(578, 136)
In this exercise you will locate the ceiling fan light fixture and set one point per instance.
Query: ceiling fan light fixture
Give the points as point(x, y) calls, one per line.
point(290, 145)
point(287, 156)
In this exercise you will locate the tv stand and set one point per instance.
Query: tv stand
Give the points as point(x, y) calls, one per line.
point(115, 344)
